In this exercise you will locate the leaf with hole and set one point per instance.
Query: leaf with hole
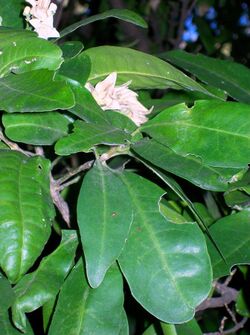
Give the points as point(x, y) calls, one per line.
point(189, 167)
point(86, 135)
point(231, 235)
point(162, 259)
point(210, 130)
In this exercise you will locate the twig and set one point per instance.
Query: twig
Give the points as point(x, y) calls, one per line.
point(59, 202)
point(222, 324)
point(56, 186)
point(71, 173)
point(232, 330)
point(228, 295)
point(70, 182)
point(39, 151)
point(14, 146)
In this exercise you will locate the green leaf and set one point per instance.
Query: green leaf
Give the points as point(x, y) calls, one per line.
point(242, 306)
point(82, 310)
point(150, 331)
point(233, 240)
point(87, 135)
point(104, 214)
point(229, 76)
point(161, 259)
point(7, 295)
point(189, 328)
point(189, 167)
point(34, 91)
point(8, 329)
point(214, 131)
point(121, 14)
point(36, 128)
point(26, 211)
point(144, 70)
point(238, 195)
point(48, 311)
point(86, 108)
point(10, 12)
point(40, 286)
point(120, 121)
point(22, 51)
point(76, 69)
point(71, 49)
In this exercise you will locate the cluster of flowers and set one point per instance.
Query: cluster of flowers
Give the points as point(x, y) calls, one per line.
point(40, 16)
point(106, 93)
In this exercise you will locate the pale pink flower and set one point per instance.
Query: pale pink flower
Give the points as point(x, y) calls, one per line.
point(40, 16)
point(119, 98)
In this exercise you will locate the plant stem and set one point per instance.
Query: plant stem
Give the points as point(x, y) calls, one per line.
point(168, 329)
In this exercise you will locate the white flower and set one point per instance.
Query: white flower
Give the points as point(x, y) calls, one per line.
point(119, 98)
point(40, 16)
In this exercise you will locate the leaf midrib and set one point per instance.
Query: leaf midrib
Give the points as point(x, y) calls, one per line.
point(151, 233)
point(188, 125)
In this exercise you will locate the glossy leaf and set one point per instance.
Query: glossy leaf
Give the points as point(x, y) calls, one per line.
point(22, 51)
point(34, 91)
point(87, 135)
point(71, 49)
point(229, 76)
point(26, 211)
point(121, 14)
point(213, 131)
point(144, 70)
point(36, 128)
point(189, 167)
point(82, 310)
point(86, 107)
point(104, 214)
point(231, 235)
point(40, 286)
point(10, 13)
point(161, 259)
